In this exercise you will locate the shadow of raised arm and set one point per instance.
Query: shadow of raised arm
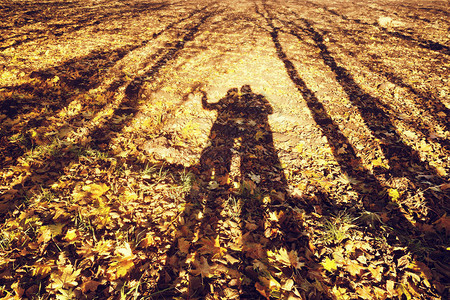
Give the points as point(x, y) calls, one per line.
point(222, 103)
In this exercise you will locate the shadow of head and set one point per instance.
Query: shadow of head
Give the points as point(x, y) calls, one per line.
point(244, 102)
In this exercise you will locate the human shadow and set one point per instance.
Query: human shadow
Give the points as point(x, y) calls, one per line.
point(224, 227)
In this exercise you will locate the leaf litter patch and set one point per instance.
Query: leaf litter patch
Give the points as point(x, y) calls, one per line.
point(119, 181)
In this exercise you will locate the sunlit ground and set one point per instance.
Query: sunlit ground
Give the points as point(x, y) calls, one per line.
point(131, 168)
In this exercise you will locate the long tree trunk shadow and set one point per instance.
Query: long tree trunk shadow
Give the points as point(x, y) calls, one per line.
point(411, 40)
point(427, 100)
point(99, 133)
point(350, 163)
point(402, 159)
point(224, 234)
point(58, 21)
point(58, 86)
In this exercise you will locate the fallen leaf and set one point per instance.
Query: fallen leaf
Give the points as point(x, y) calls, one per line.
point(89, 286)
point(202, 268)
point(393, 194)
point(211, 246)
point(71, 235)
point(353, 267)
point(184, 245)
point(329, 264)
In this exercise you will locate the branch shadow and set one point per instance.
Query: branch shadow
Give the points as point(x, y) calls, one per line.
point(428, 101)
point(403, 160)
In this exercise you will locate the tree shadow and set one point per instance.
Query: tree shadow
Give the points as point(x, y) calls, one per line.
point(59, 156)
point(403, 160)
point(61, 18)
point(29, 108)
point(225, 233)
point(349, 162)
point(406, 37)
point(50, 91)
point(428, 101)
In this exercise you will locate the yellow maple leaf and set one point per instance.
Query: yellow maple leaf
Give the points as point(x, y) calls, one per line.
point(71, 235)
point(329, 264)
point(64, 278)
point(96, 190)
point(379, 163)
point(123, 267)
point(41, 269)
point(376, 272)
point(393, 194)
point(129, 196)
point(49, 231)
point(353, 267)
point(364, 292)
point(340, 293)
point(122, 262)
point(289, 259)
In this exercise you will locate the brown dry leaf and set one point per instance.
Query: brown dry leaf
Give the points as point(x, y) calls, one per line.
point(269, 282)
point(211, 246)
point(90, 286)
point(262, 290)
point(231, 259)
point(353, 267)
point(184, 245)
point(443, 223)
point(148, 241)
point(365, 292)
point(254, 250)
point(202, 268)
